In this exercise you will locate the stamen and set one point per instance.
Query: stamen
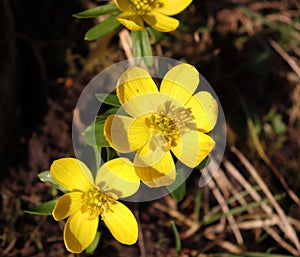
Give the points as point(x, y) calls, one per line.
point(168, 125)
point(144, 6)
point(96, 203)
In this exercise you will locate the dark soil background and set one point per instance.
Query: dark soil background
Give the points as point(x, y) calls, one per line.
point(45, 64)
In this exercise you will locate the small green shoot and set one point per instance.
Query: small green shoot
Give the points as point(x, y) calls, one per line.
point(176, 237)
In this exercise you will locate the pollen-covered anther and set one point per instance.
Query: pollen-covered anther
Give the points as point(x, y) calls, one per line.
point(144, 6)
point(95, 203)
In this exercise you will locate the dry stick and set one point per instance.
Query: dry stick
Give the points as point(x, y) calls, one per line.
point(281, 242)
point(141, 237)
point(262, 152)
point(177, 215)
point(230, 247)
point(240, 200)
point(211, 232)
point(221, 182)
point(291, 62)
point(266, 159)
point(286, 226)
point(258, 223)
point(225, 209)
point(237, 175)
point(230, 168)
point(126, 43)
point(233, 190)
point(193, 226)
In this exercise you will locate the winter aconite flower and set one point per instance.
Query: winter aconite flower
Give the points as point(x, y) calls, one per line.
point(171, 119)
point(89, 200)
point(154, 12)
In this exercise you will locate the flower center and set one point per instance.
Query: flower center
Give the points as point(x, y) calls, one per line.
point(95, 203)
point(144, 6)
point(168, 125)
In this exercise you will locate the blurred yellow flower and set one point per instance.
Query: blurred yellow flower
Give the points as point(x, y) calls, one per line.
point(87, 200)
point(154, 12)
point(171, 119)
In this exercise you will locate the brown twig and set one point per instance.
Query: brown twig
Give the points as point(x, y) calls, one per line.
point(291, 62)
point(284, 224)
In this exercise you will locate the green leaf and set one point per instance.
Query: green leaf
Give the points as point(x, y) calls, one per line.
point(108, 153)
point(91, 156)
point(178, 188)
point(136, 46)
point(102, 28)
point(146, 48)
point(97, 11)
point(43, 209)
point(102, 117)
point(92, 247)
point(156, 35)
point(94, 136)
point(278, 125)
point(176, 237)
point(45, 176)
point(110, 99)
point(203, 164)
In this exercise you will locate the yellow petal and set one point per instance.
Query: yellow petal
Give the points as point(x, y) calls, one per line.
point(193, 147)
point(131, 21)
point(160, 173)
point(160, 21)
point(133, 82)
point(138, 133)
point(121, 223)
point(145, 103)
point(204, 108)
point(66, 205)
point(79, 232)
point(72, 174)
point(123, 5)
point(171, 7)
point(117, 178)
point(180, 82)
point(115, 131)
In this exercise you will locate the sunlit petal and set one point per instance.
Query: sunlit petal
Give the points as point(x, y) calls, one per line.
point(139, 133)
point(79, 232)
point(118, 178)
point(67, 204)
point(72, 174)
point(131, 20)
point(173, 7)
point(133, 82)
point(121, 223)
point(204, 108)
point(123, 5)
point(161, 22)
point(161, 172)
point(145, 103)
point(180, 82)
point(193, 147)
point(115, 131)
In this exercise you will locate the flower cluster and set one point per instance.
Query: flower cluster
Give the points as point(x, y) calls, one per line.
point(161, 122)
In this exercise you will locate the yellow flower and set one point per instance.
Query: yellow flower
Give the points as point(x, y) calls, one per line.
point(87, 200)
point(154, 12)
point(171, 119)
